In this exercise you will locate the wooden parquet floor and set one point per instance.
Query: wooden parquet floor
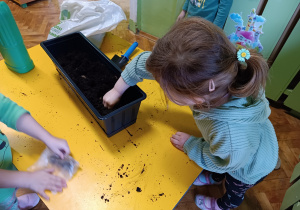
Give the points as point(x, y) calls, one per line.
point(35, 22)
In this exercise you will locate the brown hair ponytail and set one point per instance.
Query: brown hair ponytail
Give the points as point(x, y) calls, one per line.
point(193, 53)
point(250, 79)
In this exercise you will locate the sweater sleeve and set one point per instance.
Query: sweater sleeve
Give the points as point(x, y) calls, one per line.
point(136, 70)
point(215, 154)
point(222, 14)
point(10, 112)
point(186, 5)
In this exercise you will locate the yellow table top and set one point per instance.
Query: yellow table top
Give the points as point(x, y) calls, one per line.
point(142, 153)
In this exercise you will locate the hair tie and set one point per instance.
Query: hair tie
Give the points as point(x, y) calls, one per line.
point(211, 86)
point(242, 54)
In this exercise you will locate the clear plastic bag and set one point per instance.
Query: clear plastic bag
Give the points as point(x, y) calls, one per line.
point(64, 168)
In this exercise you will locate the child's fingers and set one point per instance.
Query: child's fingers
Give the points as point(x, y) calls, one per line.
point(176, 143)
point(56, 185)
point(65, 150)
point(174, 140)
point(54, 188)
point(107, 105)
point(104, 103)
point(63, 182)
point(173, 143)
point(177, 146)
point(60, 182)
point(179, 133)
point(176, 136)
point(57, 188)
point(60, 152)
point(49, 170)
point(44, 195)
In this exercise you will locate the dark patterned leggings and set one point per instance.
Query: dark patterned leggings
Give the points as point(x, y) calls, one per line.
point(235, 191)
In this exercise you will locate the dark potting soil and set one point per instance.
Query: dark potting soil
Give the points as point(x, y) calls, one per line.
point(94, 79)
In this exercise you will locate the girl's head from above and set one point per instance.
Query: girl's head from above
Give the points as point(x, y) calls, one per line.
point(196, 64)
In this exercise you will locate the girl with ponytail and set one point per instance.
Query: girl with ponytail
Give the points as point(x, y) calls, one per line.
point(196, 65)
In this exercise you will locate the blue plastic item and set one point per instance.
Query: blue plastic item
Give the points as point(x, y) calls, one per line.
point(130, 50)
point(122, 61)
point(12, 46)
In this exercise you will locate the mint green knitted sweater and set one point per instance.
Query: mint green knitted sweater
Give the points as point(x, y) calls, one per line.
point(238, 138)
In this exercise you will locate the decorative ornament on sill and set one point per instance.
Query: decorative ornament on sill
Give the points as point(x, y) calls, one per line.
point(247, 36)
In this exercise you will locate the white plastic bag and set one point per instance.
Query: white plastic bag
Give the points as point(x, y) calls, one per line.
point(92, 18)
point(64, 168)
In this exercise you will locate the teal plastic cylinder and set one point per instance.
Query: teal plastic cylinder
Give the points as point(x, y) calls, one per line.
point(12, 46)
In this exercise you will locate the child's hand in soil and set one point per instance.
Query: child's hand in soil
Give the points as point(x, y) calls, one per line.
point(178, 139)
point(111, 98)
point(42, 180)
point(58, 146)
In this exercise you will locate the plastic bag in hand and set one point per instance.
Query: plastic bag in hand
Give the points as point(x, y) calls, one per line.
point(64, 168)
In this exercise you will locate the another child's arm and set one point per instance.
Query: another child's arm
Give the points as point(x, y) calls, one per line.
point(184, 9)
point(17, 118)
point(38, 181)
point(181, 15)
point(222, 14)
point(27, 124)
point(133, 73)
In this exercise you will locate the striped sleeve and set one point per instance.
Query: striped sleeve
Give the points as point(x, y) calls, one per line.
point(136, 71)
point(215, 154)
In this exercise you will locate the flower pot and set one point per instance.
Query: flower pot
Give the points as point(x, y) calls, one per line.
point(91, 74)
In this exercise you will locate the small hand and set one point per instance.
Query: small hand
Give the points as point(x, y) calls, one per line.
point(178, 139)
point(111, 98)
point(181, 15)
point(58, 146)
point(42, 180)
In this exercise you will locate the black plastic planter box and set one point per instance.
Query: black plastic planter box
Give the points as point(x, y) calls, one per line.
point(64, 52)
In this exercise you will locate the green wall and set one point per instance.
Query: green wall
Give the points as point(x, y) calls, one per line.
point(285, 67)
point(156, 17)
point(277, 13)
